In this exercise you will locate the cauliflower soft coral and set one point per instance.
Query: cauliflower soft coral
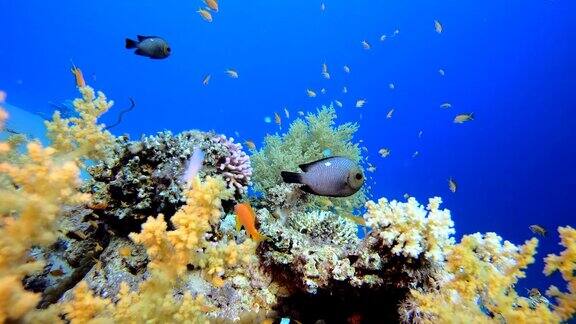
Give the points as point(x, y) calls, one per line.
point(31, 196)
point(83, 134)
point(565, 263)
point(410, 229)
point(483, 272)
point(33, 191)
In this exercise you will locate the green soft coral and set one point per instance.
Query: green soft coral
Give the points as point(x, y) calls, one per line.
point(306, 141)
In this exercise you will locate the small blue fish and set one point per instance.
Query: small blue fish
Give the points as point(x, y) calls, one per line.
point(327, 152)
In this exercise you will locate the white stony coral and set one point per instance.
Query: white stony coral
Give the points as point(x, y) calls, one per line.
point(409, 229)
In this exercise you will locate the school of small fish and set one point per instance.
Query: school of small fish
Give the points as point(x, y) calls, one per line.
point(206, 12)
point(211, 7)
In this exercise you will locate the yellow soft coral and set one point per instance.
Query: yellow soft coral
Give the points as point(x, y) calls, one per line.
point(565, 263)
point(82, 134)
point(220, 258)
point(482, 274)
point(31, 197)
point(171, 251)
point(84, 306)
point(179, 247)
point(33, 189)
point(410, 229)
point(154, 302)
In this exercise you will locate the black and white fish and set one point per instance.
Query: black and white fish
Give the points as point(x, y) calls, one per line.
point(150, 46)
point(334, 176)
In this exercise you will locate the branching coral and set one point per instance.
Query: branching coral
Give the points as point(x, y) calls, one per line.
point(565, 263)
point(83, 134)
point(411, 230)
point(481, 287)
point(234, 168)
point(33, 191)
point(85, 306)
point(305, 142)
point(30, 200)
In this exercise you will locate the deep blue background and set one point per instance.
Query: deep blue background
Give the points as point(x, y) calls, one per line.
point(511, 62)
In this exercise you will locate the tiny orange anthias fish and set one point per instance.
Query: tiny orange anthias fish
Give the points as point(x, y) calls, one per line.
point(80, 83)
point(246, 217)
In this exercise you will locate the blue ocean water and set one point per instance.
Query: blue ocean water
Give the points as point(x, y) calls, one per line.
point(512, 63)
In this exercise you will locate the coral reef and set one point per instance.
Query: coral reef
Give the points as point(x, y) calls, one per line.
point(306, 141)
point(67, 256)
point(171, 253)
point(319, 248)
point(148, 172)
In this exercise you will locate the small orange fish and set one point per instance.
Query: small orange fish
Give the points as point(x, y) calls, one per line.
point(125, 251)
point(77, 235)
point(246, 217)
point(97, 205)
point(212, 4)
point(57, 272)
point(80, 83)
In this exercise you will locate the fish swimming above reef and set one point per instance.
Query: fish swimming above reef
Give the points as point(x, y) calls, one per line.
point(246, 217)
point(212, 4)
point(452, 185)
point(462, 118)
point(310, 93)
point(335, 176)
point(205, 14)
point(538, 229)
point(153, 47)
point(438, 27)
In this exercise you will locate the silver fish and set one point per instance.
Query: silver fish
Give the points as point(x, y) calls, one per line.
point(151, 46)
point(335, 176)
